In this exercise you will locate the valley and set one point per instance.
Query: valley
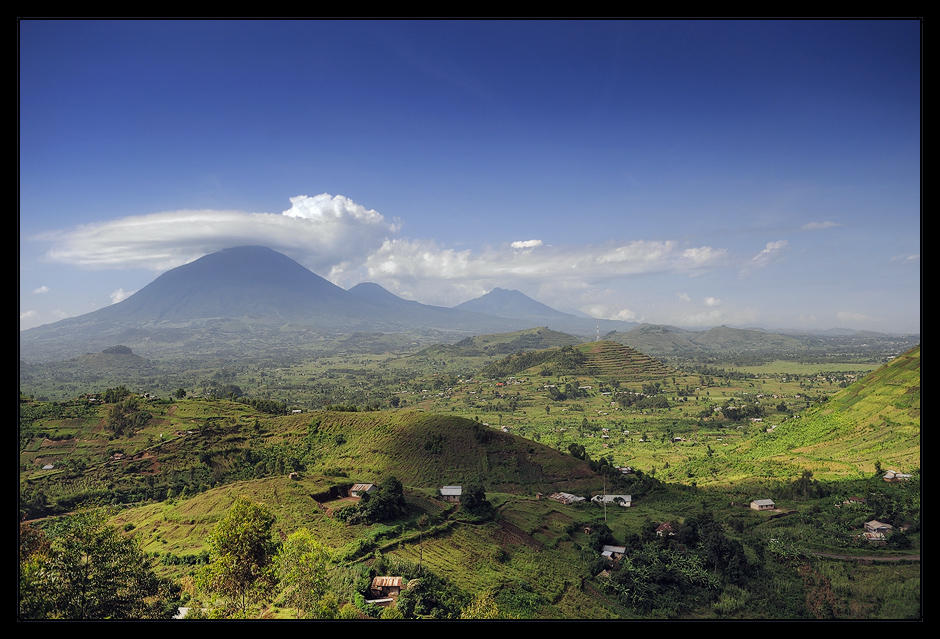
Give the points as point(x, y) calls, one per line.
point(524, 415)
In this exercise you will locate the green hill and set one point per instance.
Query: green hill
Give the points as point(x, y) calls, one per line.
point(876, 419)
point(605, 360)
point(427, 450)
point(611, 360)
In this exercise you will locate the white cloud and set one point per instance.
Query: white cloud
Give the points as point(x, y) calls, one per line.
point(321, 232)
point(604, 311)
point(120, 295)
point(914, 257)
point(712, 301)
point(773, 251)
point(343, 241)
point(815, 226)
point(28, 315)
point(404, 264)
point(41, 290)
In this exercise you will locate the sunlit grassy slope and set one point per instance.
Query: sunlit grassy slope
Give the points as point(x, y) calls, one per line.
point(875, 419)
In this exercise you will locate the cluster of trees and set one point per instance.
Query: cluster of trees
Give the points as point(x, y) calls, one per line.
point(269, 406)
point(125, 416)
point(572, 391)
point(672, 574)
point(84, 568)
point(116, 394)
point(642, 401)
point(473, 501)
point(384, 504)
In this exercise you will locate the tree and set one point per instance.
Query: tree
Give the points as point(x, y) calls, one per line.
point(474, 502)
point(242, 552)
point(301, 567)
point(386, 504)
point(87, 569)
point(180, 393)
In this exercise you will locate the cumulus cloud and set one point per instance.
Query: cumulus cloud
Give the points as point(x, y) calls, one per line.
point(712, 301)
point(526, 244)
point(684, 297)
point(914, 257)
point(28, 315)
point(322, 232)
point(41, 290)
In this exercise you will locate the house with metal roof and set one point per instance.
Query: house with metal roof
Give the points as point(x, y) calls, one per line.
point(621, 500)
point(451, 493)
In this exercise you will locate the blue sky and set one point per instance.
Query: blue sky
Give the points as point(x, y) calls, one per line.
point(694, 173)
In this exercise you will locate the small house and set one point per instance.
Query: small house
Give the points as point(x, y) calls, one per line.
point(384, 591)
point(451, 493)
point(358, 490)
point(894, 476)
point(875, 526)
point(613, 552)
point(763, 504)
point(664, 529)
point(621, 500)
point(566, 498)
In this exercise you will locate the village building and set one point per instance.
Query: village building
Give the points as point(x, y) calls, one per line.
point(621, 500)
point(763, 504)
point(358, 490)
point(893, 476)
point(875, 526)
point(566, 498)
point(384, 591)
point(664, 529)
point(451, 493)
point(613, 553)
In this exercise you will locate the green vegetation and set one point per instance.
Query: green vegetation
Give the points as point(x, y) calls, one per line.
point(85, 569)
point(238, 503)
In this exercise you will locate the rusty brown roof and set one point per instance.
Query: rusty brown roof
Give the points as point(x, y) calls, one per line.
point(386, 582)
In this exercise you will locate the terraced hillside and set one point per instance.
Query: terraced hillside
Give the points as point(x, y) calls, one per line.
point(615, 361)
point(602, 360)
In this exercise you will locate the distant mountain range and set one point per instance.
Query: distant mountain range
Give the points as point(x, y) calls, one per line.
point(252, 291)
point(252, 300)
